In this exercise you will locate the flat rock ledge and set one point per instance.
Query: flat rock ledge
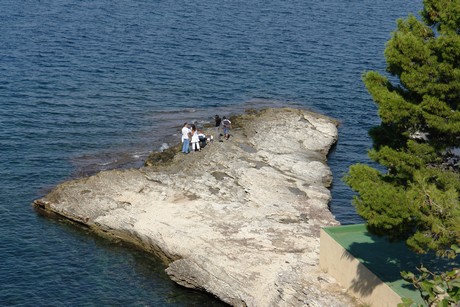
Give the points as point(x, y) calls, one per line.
point(240, 219)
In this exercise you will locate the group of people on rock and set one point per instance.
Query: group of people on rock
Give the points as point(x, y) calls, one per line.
point(191, 137)
point(194, 139)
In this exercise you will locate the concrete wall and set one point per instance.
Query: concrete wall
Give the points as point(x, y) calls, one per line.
point(353, 275)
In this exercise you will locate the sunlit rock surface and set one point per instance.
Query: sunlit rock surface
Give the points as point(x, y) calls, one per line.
point(240, 219)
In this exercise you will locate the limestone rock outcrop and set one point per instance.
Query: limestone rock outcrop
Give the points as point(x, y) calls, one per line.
point(240, 219)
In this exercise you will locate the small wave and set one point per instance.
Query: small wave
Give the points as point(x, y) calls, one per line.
point(174, 111)
point(106, 163)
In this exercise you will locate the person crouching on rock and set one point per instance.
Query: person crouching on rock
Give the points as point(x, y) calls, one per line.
point(186, 134)
point(195, 139)
point(203, 139)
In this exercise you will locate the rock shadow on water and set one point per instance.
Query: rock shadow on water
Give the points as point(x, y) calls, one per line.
point(117, 259)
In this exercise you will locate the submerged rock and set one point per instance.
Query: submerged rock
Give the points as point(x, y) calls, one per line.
point(240, 219)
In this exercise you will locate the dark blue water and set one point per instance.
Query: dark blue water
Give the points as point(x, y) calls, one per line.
point(91, 85)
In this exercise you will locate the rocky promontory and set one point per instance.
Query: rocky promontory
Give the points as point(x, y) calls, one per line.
point(240, 219)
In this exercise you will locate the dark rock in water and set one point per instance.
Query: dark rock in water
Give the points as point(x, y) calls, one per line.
point(162, 157)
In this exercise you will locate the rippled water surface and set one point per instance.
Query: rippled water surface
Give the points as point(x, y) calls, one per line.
point(91, 85)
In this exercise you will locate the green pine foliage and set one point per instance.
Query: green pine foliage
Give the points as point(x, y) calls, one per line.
point(417, 198)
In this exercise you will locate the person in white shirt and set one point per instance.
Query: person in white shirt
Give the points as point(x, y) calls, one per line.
point(186, 134)
point(195, 139)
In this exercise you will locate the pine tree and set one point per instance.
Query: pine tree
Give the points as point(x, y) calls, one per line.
point(417, 198)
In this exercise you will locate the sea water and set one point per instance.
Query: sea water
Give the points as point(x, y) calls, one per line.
point(93, 85)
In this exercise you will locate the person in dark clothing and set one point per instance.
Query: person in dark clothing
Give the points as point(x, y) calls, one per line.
point(218, 124)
